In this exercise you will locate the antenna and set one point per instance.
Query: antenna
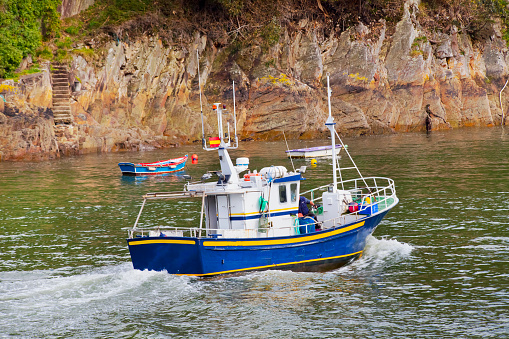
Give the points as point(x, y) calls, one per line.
point(201, 106)
point(235, 118)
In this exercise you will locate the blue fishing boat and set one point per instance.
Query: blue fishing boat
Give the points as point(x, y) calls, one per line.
point(151, 168)
point(251, 222)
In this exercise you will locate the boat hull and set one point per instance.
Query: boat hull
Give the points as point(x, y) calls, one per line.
point(316, 251)
point(136, 169)
point(313, 152)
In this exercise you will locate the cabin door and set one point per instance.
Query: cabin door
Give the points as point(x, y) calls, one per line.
point(223, 212)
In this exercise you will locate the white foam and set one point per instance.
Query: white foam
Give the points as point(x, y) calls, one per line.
point(43, 291)
point(381, 253)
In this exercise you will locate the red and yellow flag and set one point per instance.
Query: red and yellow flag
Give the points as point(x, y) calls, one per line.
point(214, 141)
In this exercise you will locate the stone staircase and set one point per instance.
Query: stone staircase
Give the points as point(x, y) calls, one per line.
point(61, 95)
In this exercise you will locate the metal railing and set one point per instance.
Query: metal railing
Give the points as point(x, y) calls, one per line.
point(381, 191)
point(363, 188)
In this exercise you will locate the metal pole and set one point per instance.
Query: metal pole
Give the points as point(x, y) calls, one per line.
point(201, 106)
point(220, 125)
point(235, 117)
point(139, 214)
point(330, 125)
point(201, 214)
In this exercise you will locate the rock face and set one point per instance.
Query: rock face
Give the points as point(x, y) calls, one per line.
point(73, 7)
point(143, 94)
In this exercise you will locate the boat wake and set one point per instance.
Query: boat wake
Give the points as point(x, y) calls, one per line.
point(37, 298)
point(380, 253)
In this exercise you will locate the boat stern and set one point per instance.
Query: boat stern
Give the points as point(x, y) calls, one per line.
point(171, 254)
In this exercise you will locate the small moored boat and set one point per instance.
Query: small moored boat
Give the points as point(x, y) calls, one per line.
point(150, 168)
point(250, 222)
point(313, 152)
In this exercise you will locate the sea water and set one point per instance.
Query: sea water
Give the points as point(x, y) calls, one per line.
point(435, 267)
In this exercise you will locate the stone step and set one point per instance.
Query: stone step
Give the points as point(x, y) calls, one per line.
point(61, 107)
point(61, 110)
point(61, 103)
point(60, 96)
point(62, 120)
point(61, 82)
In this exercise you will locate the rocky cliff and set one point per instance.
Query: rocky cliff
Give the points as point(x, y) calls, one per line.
point(141, 93)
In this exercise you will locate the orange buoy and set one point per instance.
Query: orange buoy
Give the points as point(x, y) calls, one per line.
point(194, 157)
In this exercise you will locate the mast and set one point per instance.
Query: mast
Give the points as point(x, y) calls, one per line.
point(235, 118)
point(201, 106)
point(330, 125)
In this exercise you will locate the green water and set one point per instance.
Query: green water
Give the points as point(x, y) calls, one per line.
point(436, 266)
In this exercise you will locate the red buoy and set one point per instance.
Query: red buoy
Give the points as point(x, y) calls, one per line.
point(194, 157)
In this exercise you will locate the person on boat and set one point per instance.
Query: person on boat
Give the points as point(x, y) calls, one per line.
point(304, 209)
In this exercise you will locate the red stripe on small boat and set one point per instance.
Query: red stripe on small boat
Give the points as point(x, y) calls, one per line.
point(164, 163)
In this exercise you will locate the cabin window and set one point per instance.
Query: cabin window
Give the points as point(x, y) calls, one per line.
point(293, 192)
point(282, 194)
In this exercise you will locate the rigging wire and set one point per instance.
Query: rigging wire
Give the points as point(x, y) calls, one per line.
point(288, 149)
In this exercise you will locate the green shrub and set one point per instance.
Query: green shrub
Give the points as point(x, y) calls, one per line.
point(270, 33)
point(87, 53)
point(64, 44)
point(73, 30)
point(61, 55)
point(23, 25)
point(44, 53)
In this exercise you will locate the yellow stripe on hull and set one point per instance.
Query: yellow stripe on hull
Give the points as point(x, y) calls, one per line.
point(163, 241)
point(273, 265)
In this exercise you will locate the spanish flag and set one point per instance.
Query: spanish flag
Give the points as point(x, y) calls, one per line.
point(214, 141)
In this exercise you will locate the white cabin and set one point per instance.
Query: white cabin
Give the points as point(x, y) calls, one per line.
point(259, 204)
